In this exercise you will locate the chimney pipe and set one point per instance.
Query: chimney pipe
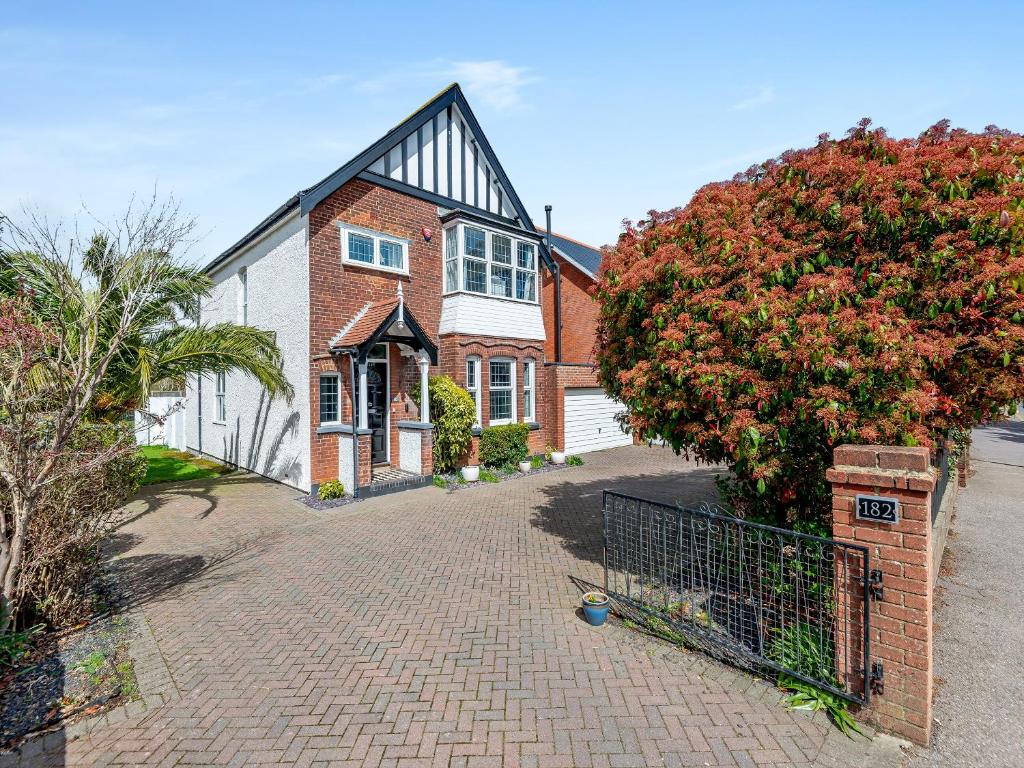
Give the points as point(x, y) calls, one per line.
point(558, 288)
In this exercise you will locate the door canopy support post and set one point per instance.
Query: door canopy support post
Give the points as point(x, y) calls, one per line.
point(363, 416)
point(424, 363)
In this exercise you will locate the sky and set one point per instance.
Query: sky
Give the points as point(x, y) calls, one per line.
point(603, 110)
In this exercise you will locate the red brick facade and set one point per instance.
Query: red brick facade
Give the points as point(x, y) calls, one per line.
point(901, 618)
point(579, 314)
point(338, 291)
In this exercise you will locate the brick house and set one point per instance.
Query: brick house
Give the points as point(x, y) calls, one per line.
point(415, 258)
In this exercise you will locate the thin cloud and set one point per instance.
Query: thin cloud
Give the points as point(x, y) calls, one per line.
point(493, 82)
point(764, 95)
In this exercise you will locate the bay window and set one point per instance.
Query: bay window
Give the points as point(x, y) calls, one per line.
point(489, 263)
point(502, 391)
point(329, 406)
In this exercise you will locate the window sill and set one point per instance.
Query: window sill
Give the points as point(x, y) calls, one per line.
point(374, 267)
point(533, 425)
point(342, 429)
point(477, 431)
point(219, 423)
point(510, 299)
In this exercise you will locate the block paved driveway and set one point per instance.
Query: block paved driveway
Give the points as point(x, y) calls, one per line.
point(420, 629)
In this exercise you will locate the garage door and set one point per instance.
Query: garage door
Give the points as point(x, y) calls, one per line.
point(590, 423)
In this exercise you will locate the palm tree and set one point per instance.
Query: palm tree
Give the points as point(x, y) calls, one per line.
point(166, 340)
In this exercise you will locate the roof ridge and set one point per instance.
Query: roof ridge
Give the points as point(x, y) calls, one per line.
point(571, 239)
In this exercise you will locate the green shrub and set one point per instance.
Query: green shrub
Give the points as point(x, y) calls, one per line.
point(488, 477)
point(440, 482)
point(505, 445)
point(536, 462)
point(452, 412)
point(332, 489)
point(574, 461)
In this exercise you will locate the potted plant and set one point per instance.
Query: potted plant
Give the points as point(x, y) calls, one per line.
point(558, 457)
point(524, 466)
point(595, 608)
point(471, 473)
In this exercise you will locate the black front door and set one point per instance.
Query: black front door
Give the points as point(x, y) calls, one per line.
point(376, 411)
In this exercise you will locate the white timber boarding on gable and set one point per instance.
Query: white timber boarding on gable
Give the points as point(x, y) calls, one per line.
point(422, 159)
point(264, 435)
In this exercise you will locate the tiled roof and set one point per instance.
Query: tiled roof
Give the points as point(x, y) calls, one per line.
point(364, 324)
point(585, 256)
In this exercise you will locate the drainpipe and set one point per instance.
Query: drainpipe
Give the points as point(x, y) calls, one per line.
point(355, 429)
point(558, 289)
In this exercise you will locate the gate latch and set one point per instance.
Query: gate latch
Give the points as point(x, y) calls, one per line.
point(875, 584)
point(877, 678)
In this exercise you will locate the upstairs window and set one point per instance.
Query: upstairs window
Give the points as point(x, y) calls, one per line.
point(363, 247)
point(489, 263)
point(243, 295)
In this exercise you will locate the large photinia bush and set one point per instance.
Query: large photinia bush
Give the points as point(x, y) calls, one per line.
point(867, 290)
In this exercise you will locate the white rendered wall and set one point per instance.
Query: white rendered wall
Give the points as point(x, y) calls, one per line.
point(270, 437)
point(489, 316)
point(345, 473)
point(410, 455)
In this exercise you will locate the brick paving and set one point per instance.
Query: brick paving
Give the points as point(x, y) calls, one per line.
point(428, 628)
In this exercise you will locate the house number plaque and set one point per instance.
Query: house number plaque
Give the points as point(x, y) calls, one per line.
point(878, 509)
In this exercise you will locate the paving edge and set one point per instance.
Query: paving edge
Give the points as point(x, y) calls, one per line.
point(156, 687)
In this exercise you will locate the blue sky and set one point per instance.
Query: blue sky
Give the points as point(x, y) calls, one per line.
point(602, 110)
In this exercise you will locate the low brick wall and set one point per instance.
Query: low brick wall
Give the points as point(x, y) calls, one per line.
point(901, 628)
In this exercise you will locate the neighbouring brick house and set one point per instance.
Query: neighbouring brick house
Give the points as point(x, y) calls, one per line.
point(416, 258)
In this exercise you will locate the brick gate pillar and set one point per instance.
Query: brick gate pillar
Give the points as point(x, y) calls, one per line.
point(901, 618)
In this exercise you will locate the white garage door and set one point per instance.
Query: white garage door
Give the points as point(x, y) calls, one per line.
point(590, 423)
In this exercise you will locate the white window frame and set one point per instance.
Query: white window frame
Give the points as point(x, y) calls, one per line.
point(489, 233)
point(320, 395)
point(220, 405)
point(346, 229)
point(243, 295)
point(473, 361)
point(511, 389)
point(530, 385)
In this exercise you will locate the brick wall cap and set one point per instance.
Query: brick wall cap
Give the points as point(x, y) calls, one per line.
point(420, 425)
point(887, 477)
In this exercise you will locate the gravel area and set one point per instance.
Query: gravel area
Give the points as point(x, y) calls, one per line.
point(71, 674)
point(979, 648)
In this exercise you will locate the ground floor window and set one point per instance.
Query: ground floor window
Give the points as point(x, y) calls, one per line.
point(329, 406)
point(473, 384)
point(502, 390)
point(528, 375)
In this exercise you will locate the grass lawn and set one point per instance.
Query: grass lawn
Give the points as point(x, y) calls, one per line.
point(166, 465)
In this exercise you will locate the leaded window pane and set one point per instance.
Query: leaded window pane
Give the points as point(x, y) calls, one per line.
point(501, 249)
point(501, 404)
point(360, 248)
point(475, 243)
point(391, 254)
point(328, 399)
point(526, 285)
point(474, 275)
point(525, 254)
point(470, 374)
point(501, 373)
point(501, 281)
point(527, 404)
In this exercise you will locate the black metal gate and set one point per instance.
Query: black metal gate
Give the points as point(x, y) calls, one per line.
point(758, 597)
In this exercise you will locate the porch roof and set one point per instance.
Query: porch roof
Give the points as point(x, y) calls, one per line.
point(382, 321)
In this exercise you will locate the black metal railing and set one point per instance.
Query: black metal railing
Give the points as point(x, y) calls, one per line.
point(940, 462)
point(758, 597)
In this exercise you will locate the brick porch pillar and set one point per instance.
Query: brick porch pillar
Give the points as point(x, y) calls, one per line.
point(901, 620)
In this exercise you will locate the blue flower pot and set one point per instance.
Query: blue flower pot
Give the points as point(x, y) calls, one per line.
point(595, 613)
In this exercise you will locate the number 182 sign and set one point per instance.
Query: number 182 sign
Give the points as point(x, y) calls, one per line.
point(878, 509)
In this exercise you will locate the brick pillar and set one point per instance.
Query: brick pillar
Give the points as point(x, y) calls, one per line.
point(427, 453)
point(901, 620)
point(963, 464)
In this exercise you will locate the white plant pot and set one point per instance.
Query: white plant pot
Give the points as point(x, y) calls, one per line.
point(558, 457)
point(524, 466)
point(471, 474)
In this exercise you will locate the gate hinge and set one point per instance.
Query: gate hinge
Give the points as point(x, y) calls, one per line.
point(875, 584)
point(877, 678)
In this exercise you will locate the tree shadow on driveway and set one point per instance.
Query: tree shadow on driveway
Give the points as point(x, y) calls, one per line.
point(572, 511)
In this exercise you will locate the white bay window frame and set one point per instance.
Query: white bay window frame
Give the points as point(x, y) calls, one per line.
point(474, 387)
point(529, 390)
point(494, 269)
point(380, 239)
point(510, 388)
